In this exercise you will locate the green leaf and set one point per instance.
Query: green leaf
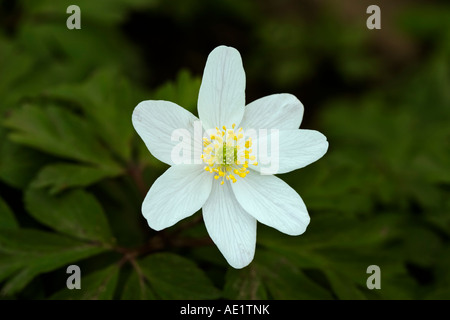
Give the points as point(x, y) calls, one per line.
point(61, 176)
point(109, 13)
point(59, 132)
point(183, 91)
point(341, 233)
point(174, 277)
point(7, 218)
point(14, 66)
point(343, 287)
point(441, 288)
point(288, 282)
point(7, 266)
point(107, 100)
point(18, 164)
point(99, 285)
point(424, 247)
point(76, 213)
point(245, 284)
point(439, 294)
point(137, 288)
point(27, 253)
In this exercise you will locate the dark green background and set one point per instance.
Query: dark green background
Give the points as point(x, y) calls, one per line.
point(73, 171)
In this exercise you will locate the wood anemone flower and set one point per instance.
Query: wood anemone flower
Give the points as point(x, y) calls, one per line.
point(226, 175)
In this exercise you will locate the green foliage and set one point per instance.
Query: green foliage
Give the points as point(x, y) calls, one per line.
point(260, 281)
point(111, 12)
point(58, 132)
point(26, 253)
point(18, 164)
point(60, 176)
point(184, 91)
point(107, 100)
point(168, 276)
point(7, 219)
point(136, 288)
point(244, 284)
point(75, 213)
point(174, 277)
point(73, 172)
point(99, 285)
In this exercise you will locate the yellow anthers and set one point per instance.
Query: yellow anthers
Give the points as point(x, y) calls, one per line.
point(226, 154)
point(255, 163)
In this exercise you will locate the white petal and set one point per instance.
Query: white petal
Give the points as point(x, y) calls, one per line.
point(156, 122)
point(281, 111)
point(177, 194)
point(282, 151)
point(272, 202)
point(221, 99)
point(231, 228)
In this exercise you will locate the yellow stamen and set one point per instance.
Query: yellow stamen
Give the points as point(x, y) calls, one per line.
point(226, 156)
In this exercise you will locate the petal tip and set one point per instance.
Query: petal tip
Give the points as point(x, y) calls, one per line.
point(241, 263)
point(154, 226)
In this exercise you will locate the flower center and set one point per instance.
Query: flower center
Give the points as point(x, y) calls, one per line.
point(227, 154)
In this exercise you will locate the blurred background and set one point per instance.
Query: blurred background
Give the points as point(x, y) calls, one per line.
point(73, 172)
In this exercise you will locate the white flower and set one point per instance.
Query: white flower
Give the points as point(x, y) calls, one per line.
point(230, 187)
